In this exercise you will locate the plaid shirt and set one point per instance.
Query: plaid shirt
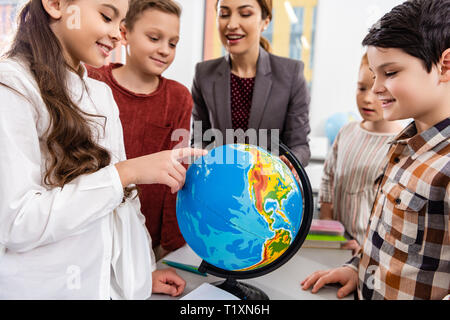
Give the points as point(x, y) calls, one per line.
point(406, 252)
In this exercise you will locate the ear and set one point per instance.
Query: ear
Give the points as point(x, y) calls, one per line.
point(53, 8)
point(123, 33)
point(265, 24)
point(445, 66)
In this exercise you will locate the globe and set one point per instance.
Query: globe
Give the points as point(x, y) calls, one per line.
point(240, 209)
point(335, 122)
point(243, 212)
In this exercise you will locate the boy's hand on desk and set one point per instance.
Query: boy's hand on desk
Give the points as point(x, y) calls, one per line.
point(167, 281)
point(346, 276)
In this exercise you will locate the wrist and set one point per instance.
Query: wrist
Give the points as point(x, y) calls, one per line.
point(125, 173)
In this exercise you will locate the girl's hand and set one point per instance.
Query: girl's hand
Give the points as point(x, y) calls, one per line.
point(167, 281)
point(346, 276)
point(162, 167)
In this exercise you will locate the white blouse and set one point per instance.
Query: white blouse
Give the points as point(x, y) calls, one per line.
point(74, 242)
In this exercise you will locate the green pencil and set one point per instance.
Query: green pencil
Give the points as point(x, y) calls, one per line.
point(185, 267)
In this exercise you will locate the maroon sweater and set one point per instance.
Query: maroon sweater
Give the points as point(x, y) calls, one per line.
point(148, 122)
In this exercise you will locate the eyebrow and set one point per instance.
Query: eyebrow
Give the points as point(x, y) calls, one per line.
point(387, 64)
point(151, 29)
point(116, 11)
point(241, 7)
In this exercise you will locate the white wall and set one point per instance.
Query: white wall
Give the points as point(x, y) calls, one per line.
point(341, 26)
point(190, 46)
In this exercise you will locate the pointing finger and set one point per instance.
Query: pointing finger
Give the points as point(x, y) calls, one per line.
point(179, 154)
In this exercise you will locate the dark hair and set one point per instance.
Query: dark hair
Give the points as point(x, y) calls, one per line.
point(421, 28)
point(69, 139)
point(266, 8)
point(137, 7)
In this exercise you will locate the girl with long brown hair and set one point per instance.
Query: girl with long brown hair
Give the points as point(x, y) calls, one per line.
point(70, 227)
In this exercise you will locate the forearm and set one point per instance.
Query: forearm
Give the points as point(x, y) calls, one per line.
point(326, 211)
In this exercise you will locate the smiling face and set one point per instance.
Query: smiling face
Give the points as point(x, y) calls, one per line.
point(240, 25)
point(405, 88)
point(87, 29)
point(368, 105)
point(151, 43)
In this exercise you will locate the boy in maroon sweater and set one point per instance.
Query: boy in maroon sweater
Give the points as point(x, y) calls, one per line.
point(151, 106)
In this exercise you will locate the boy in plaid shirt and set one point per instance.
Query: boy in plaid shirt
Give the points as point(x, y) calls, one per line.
point(406, 251)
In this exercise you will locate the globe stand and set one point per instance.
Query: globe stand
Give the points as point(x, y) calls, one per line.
point(243, 291)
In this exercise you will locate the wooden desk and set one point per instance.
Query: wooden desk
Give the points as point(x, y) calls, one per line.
point(282, 284)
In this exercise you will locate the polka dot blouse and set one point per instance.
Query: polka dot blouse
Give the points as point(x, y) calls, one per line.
point(241, 101)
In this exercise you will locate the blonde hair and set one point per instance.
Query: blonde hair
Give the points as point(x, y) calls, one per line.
point(364, 60)
point(137, 7)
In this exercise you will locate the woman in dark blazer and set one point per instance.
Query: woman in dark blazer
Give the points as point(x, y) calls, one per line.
point(250, 88)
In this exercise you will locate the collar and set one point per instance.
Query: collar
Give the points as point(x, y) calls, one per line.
point(425, 141)
point(262, 67)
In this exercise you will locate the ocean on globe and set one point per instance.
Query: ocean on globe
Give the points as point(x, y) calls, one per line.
point(240, 208)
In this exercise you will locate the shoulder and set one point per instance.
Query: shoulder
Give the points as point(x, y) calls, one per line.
point(16, 75)
point(209, 66)
point(176, 88)
point(99, 91)
point(285, 62)
point(286, 72)
point(98, 73)
point(284, 65)
point(351, 126)
point(348, 129)
point(179, 96)
point(98, 87)
point(12, 70)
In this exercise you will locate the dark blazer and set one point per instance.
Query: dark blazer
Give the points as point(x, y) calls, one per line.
point(280, 101)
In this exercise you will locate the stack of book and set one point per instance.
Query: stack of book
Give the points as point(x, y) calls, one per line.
point(325, 234)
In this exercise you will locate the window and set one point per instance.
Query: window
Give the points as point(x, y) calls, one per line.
point(8, 12)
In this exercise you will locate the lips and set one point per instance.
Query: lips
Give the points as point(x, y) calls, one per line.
point(159, 61)
point(234, 37)
point(386, 102)
point(104, 48)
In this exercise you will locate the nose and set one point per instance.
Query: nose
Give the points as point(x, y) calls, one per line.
point(370, 97)
point(115, 34)
point(164, 49)
point(233, 22)
point(378, 86)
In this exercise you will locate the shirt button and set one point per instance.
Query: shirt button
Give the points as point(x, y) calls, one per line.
point(396, 160)
point(398, 201)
